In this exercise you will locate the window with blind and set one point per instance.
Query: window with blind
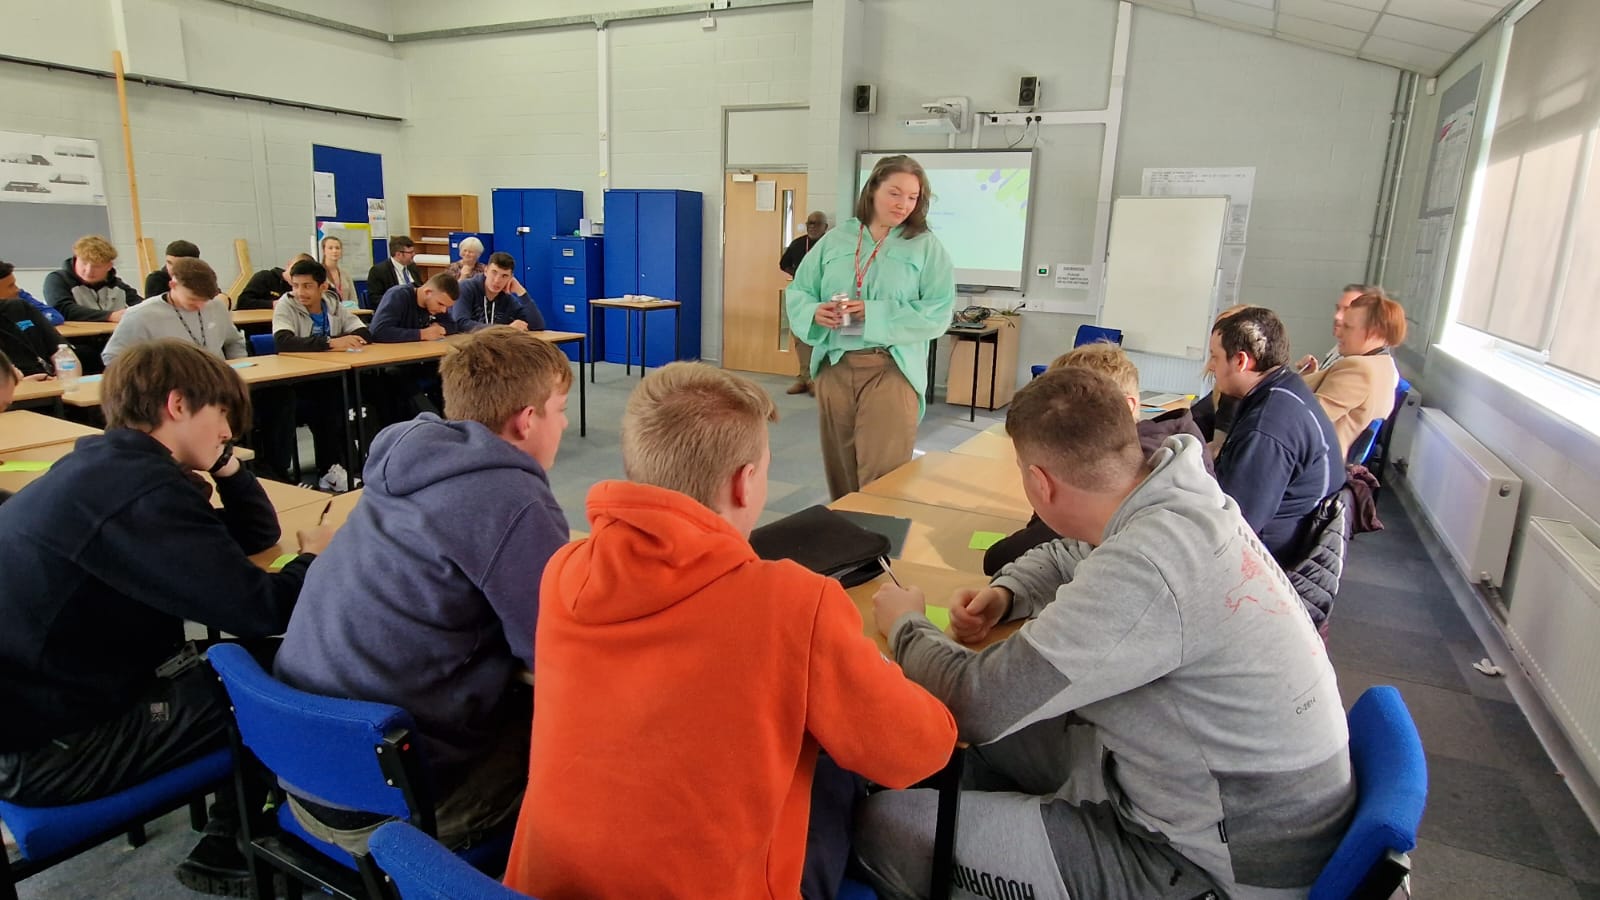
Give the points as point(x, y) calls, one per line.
point(1533, 274)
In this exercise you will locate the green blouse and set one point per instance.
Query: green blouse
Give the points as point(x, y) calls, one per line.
point(909, 291)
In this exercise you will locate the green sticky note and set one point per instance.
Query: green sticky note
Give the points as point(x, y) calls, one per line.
point(939, 616)
point(24, 465)
point(983, 540)
point(242, 364)
point(282, 561)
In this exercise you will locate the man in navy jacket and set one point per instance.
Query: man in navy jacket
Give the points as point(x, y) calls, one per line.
point(104, 558)
point(1282, 454)
point(496, 297)
point(417, 313)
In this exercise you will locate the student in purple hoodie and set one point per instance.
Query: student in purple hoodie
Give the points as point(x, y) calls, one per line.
point(427, 597)
point(1109, 360)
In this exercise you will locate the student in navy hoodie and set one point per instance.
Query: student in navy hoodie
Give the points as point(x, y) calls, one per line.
point(105, 557)
point(427, 597)
point(1282, 453)
point(417, 312)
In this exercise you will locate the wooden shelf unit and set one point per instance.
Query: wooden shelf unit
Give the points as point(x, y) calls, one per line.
point(432, 217)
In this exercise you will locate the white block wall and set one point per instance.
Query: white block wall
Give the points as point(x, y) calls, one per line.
point(521, 110)
point(210, 170)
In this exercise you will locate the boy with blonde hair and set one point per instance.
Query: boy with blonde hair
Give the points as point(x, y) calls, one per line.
point(86, 287)
point(685, 686)
point(1109, 360)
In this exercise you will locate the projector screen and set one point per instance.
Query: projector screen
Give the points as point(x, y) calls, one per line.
point(979, 209)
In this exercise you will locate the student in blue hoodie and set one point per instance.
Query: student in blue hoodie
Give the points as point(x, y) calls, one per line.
point(427, 597)
point(1282, 454)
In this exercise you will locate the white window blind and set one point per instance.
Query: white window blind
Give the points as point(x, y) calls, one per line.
point(1533, 276)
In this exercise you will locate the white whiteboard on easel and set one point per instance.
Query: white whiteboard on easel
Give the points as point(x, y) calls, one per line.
point(1162, 265)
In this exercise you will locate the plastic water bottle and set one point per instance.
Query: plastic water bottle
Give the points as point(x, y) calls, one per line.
point(68, 369)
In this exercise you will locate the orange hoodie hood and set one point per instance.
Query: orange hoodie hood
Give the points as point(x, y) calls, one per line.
point(649, 548)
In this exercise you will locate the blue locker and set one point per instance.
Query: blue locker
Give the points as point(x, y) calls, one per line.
point(525, 219)
point(575, 279)
point(653, 247)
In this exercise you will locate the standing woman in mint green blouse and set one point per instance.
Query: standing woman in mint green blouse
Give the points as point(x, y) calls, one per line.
point(868, 298)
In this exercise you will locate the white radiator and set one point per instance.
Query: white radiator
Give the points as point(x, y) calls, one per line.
point(1468, 494)
point(1554, 619)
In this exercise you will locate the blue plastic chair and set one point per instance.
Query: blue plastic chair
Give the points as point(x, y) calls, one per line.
point(1365, 443)
point(263, 345)
point(348, 754)
point(1379, 459)
point(420, 868)
point(1391, 777)
point(47, 835)
point(1039, 370)
point(1091, 334)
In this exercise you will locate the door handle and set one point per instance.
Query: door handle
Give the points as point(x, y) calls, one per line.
point(568, 279)
point(523, 229)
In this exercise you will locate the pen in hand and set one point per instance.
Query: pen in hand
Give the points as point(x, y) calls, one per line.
point(323, 519)
point(884, 561)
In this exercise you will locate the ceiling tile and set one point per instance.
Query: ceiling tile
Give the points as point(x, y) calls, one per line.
point(1331, 13)
point(1182, 7)
point(1264, 4)
point(1234, 11)
point(1449, 13)
point(1315, 45)
point(1423, 34)
point(1410, 56)
point(1321, 32)
point(1373, 5)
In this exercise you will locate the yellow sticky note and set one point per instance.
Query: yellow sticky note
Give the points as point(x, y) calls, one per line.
point(983, 540)
point(24, 465)
point(938, 615)
point(282, 561)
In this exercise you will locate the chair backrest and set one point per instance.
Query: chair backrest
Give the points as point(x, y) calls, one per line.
point(1391, 777)
point(263, 345)
point(1316, 577)
point(422, 869)
point(1089, 334)
point(1361, 450)
point(1039, 370)
point(329, 750)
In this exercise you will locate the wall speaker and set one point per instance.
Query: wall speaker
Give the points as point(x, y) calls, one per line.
point(1028, 92)
point(865, 99)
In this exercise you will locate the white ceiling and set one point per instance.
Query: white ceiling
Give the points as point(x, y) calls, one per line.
point(1419, 35)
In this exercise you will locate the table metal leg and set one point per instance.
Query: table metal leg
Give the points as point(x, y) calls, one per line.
point(948, 783)
point(933, 362)
point(977, 350)
point(350, 449)
point(677, 333)
point(589, 343)
point(994, 368)
point(583, 392)
point(644, 345)
point(627, 342)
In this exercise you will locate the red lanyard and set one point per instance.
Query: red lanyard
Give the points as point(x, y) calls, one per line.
point(861, 273)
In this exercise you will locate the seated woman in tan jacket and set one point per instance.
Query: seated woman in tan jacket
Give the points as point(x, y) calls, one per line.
point(1360, 387)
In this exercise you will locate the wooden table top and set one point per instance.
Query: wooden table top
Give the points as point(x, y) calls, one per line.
point(252, 369)
point(990, 487)
point(16, 481)
point(379, 354)
point(305, 516)
point(71, 330)
point(619, 303)
point(938, 584)
point(252, 317)
point(559, 337)
point(988, 446)
point(21, 429)
point(29, 391)
point(939, 536)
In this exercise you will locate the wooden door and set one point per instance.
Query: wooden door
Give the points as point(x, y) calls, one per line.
point(755, 332)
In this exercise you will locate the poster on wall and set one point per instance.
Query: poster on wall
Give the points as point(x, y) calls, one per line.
point(1238, 184)
point(1448, 161)
point(42, 168)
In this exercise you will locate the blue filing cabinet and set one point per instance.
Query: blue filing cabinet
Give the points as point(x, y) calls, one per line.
point(575, 279)
point(525, 219)
point(653, 241)
point(484, 237)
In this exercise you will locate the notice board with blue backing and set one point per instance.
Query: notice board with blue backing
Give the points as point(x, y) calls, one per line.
point(357, 177)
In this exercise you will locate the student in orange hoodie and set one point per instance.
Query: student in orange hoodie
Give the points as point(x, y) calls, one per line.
point(685, 686)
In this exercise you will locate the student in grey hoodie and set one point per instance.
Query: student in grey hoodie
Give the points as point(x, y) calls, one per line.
point(310, 319)
point(1166, 724)
point(428, 595)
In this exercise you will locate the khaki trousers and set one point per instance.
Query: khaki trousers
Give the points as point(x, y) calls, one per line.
point(802, 355)
point(868, 413)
